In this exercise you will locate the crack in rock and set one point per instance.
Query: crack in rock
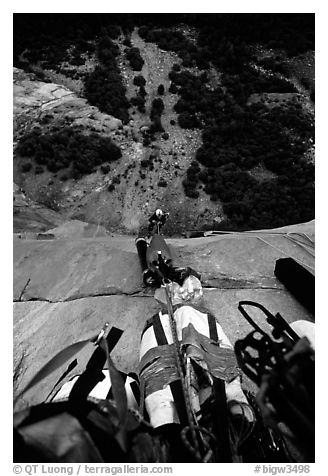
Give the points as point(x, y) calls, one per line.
point(227, 282)
point(210, 284)
point(212, 288)
point(214, 284)
point(55, 99)
point(24, 289)
point(112, 292)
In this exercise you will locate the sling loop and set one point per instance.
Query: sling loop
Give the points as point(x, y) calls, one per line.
point(60, 359)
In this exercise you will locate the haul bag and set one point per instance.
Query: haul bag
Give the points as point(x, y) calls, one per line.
point(142, 246)
point(157, 244)
point(298, 280)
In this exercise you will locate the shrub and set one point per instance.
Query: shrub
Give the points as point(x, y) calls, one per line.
point(188, 121)
point(157, 108)
point(144, 163)
point(104, 87)
point(134, 58)
point(26, 167)
point(39, 170)
point(155, 115)
point(105, 168)
point(111, 187)
point(57, 150)
point(127, 42)
point(114, 31)
point(192, 193)
point(50, 196)
point(156, 125)
point(162, 183)
point(137, 101)
point(160, 90)
point(172, 40)
point(142, 91)
point(143, 31)
point(173, 88)
point(139, 80)
point(305, 82)
point(312, 94)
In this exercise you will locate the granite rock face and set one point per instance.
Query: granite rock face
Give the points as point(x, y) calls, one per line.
point(31, 217)
point(34, 98)
point(67, 287)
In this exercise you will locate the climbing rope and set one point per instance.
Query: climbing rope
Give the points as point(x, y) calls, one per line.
point(193, 428)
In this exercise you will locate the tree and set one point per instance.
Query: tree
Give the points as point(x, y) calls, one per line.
point(134, 58)
point(173, 88)
point(188, 121)
point(160, 90)
point(26, 167)
point(162, 183)
point(139, 80)
point(58, 149)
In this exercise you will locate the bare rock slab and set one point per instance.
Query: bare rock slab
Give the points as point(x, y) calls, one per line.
point(42, 329)
point(62, 270)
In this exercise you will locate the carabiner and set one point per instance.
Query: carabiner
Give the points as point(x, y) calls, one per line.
point(101, 333)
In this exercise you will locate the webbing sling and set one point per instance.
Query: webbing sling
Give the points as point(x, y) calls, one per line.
point(175, 387)
point(93, 373)
point(136, 391)
point(220, 418)
point(159, 331)
point(98, 357)
point(60, 359)
point(69, 369)
point(118, 388)
point(221, 422)
point(213, 332)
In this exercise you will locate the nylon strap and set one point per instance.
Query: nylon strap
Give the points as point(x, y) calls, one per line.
point(175, 387)
point(119, 394)
point(213, 333)
point(69, 369)
point(60, 359)
point(93, 373)
point(159, 331)
point(221, 422)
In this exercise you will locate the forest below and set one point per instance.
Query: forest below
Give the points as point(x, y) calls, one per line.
point(237, 134)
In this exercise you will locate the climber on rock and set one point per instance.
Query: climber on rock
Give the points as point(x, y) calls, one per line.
point(155, 256)
point(157, 218)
